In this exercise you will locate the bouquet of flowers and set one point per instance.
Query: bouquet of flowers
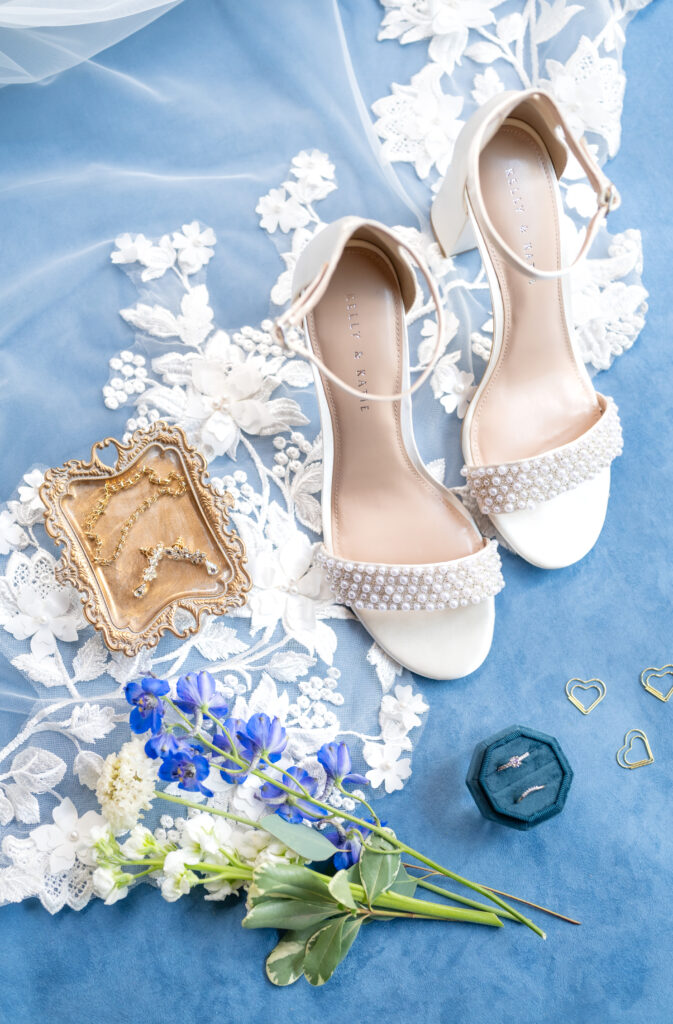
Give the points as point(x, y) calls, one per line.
point(312, 855)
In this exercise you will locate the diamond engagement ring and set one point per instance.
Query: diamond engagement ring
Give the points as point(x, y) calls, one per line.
point(515, 761)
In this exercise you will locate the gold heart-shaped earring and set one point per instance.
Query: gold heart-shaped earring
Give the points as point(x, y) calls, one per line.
point(585, 684)
point(656, 673)
point(634, 734)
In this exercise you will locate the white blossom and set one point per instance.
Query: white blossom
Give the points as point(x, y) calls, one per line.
point(590, 89)
point(194, 246)
point(110, 884)
point(29, 493)
point(278, 210)
point(42, 617)
point(67, 837)
point(12, 536)
point(404, 706)
point(387, 767)
point(177, 879)
point(419, 123)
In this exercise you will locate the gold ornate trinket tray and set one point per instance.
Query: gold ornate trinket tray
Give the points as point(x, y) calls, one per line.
point(144, 538)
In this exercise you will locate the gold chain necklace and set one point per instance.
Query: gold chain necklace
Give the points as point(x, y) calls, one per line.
point(163, 486)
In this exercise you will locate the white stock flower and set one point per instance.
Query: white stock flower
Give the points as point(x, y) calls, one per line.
point(140, 842)
point(177, 878)
point(106, 885)
point(67, 837)
point(205, 836)
point(387, 767)
point(126, 785)
point(194, 246)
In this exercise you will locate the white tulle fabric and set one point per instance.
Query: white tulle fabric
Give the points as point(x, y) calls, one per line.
point(293, 651)
point(39, 38)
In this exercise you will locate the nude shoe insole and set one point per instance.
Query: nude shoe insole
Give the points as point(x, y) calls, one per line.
point(383, 508)
point(538, 395)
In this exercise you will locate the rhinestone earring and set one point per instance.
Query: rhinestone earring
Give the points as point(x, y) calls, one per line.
point(178, 552)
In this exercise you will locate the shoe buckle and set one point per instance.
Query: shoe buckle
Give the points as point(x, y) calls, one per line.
point(609, 199)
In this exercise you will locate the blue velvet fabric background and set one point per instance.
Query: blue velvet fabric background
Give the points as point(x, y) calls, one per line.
point(607, 858)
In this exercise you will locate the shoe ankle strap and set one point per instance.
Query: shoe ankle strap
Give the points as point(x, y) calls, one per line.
point(607, 196)
point(310, 284)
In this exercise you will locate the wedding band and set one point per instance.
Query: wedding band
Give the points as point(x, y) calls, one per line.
point(515, 761)
point(527, 792)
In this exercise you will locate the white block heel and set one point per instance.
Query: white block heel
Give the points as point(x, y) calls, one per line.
point(399, 549)
point(537, 439)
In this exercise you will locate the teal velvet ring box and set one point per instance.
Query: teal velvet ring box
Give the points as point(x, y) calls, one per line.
point(536, 761)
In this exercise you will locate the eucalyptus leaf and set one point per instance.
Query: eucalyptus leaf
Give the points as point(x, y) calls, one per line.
point(341, 890)
point(288, 914)
point(285, 962)
point(305, 841)
point(378, 872)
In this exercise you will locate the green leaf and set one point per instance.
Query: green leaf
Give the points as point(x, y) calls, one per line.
point(305, 841)
point(378, 872)
point(288, 914)
point(341, 890)
point(292, 880)
point(404, 883)
point(328, 947)
point(353, 874)
point(285, 962)
point(380, 843)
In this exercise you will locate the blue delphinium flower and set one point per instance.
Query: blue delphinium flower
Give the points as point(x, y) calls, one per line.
point(197, 692)
point(164, 744)
point(348, 843)
point(266, 736)
point(148, 708)
point(336, 760)
point(188, 768)
point(287, 805)
point(241, 745)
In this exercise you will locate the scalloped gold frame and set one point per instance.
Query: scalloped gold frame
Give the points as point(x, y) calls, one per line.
point(200, 515)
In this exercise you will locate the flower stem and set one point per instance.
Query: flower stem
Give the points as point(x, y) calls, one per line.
point(464, 899)
point(377, 830)
point(464, 881)
point(210, 810)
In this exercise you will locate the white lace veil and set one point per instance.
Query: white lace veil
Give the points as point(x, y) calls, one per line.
point(202, 171)
point(39, 39)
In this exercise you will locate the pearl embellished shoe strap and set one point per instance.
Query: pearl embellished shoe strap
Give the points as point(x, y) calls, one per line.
point(511, 487)
point(306, 301)
point(436, 587)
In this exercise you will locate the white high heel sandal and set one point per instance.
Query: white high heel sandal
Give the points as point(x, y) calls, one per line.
point(399, 548)
point(537, 439)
